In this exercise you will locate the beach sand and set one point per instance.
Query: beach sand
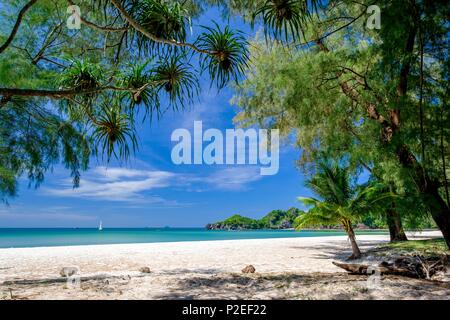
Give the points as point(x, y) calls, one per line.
point(286, 268)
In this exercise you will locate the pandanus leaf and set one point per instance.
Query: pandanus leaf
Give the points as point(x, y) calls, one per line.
point(140, 79)
point(286, 19)
point(81, 75)
point(163, 19)
point(228, 54)
point(175, 78)
point(114, 133)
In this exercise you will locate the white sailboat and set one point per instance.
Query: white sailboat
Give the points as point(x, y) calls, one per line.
point(100, 228)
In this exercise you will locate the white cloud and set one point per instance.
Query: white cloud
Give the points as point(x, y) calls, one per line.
point(116, 184)
point(132, 185)
point(116, 173)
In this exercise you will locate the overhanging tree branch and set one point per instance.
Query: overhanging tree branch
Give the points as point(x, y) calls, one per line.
point(321, 38)
point(371, 108)
point(7, 93)
point(17, 25)
point(151, 36)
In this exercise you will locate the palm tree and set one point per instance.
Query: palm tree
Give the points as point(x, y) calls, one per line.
point(342, 203)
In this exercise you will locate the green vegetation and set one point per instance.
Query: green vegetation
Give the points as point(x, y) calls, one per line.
point(236, 222)
point(371, 100)
point(276, 219)
point(279, 219)
point(343, 203)
point(418, 247)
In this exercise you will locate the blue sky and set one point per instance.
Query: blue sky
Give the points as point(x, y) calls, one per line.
point(151, 191)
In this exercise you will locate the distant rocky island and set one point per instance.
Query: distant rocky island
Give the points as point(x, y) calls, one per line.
point(276, 219)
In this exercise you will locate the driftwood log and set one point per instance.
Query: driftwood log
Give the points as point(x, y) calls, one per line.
point(414, 267)
point(64, 279)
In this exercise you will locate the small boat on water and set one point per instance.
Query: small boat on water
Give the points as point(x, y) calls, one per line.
point(100, 228)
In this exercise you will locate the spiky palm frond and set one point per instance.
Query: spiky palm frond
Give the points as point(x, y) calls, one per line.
point(229, 54)
point(81, 75)
point(332, 183)
point(165, 20)
point(287, 18)
point(176, 79)
point(140, 78)
point(340, 200)
point(319, 215)
point(371, 197)
point(323, 212)
point(114, 133)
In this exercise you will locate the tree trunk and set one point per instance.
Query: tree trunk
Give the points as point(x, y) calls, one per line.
point(395, 225)
point(356, 253)
point(444, 167)
point(439, 210)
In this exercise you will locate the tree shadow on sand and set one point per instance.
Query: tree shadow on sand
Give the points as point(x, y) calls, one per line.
point(239, 286)
point(181, 271)
point(339, 286)
point(336, 251)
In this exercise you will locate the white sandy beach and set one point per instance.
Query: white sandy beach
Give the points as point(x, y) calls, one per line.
point(285, 268)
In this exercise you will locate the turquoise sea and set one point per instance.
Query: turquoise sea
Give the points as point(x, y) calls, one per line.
point(43, 237)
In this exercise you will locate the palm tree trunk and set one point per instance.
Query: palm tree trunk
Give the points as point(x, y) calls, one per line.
point(356, 253)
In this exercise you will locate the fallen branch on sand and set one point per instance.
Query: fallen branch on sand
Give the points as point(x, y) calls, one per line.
point(364, 269)
point(97, 277)
point(414, 267)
